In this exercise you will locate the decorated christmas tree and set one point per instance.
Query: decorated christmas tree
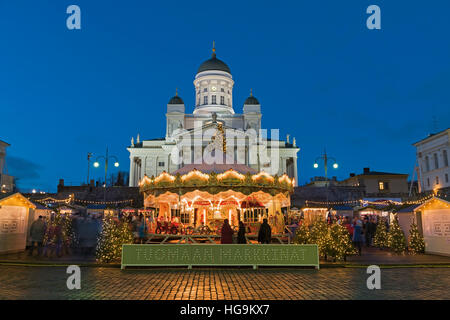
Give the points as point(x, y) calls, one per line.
point(338, 242)
point(114, 234)
point(302, 235)
point(319, 235)
point(69, 237)
point(396, 238)
point(416, 241)
point(380, 239)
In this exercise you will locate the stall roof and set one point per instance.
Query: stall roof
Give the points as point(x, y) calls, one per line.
point(40, 206)
point(342, 208)
point(11, 198)
point(96, 206)
point(410, 208)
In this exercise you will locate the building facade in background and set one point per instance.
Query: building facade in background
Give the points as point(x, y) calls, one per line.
point(433, 158)
point(378, 183)
point(6, 181)
point(188, 135)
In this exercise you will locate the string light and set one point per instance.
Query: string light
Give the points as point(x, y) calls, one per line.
point(366, 202)
point(72, 199)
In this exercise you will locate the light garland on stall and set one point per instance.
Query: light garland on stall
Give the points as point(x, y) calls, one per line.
point(366, 202)
point(72, 199)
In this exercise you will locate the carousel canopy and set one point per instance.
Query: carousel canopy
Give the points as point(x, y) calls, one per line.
point(214, 183)
point(215, 167)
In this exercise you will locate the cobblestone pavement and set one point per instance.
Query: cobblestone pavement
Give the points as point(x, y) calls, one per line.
point(27, 282)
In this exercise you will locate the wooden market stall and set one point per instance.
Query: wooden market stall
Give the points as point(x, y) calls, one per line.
point(14, 214)
point(433, 220)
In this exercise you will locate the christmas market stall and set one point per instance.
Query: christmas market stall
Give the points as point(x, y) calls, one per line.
point(212, 193)
point(433, 222)
point(376, 211)
point(314, 212)
point(14, 214)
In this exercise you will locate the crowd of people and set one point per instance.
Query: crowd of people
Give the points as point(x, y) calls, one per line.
point(226, 233)
point(361, 229)
point(59, 235)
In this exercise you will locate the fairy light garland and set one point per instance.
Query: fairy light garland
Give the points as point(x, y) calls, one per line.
point(366, 202)
point(72, 199)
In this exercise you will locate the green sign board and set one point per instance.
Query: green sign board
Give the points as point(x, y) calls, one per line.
point(220, 255)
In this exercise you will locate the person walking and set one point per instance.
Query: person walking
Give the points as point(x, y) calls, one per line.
point(241, 233)
point(142, 229)
point(293, 229)
point(265, 233)
point(226, 233)
point(37, 233)
point(372, 229)
point(349, 227)
point(357, 234)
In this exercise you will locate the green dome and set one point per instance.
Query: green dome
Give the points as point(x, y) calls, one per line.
point(176, 100)
point(251, 100)
point(214, 64)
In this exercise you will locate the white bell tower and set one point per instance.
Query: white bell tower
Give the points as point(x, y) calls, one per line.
point(213, 87)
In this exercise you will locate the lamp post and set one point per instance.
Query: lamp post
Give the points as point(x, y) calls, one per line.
point(325, 159)
point(106, 158)
point(89, 156)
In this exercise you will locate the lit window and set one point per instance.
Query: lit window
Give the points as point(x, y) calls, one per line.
point(213, 99)
point(383, 185)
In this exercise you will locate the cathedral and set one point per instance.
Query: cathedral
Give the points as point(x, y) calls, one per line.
point(244, 145)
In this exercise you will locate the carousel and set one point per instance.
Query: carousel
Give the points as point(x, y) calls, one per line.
point(206, 195)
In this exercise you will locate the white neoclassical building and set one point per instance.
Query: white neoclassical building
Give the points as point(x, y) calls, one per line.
point(188, 135)
point(433, 159)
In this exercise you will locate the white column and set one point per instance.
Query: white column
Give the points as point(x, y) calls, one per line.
point(131, 175)
point(145, 166)
point(283, 165)
point(140, 170)
point(295, 171)
point(168, 162)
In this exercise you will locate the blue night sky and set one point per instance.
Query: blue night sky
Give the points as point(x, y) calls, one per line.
point(319, 73)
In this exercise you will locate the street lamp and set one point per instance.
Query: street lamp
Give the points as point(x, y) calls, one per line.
point(325, 159)
point(89, 156)
point(106, 158)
